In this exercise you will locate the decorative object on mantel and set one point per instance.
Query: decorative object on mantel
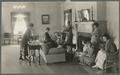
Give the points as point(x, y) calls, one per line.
point(92, 13)
point(45, 19)
point(76, 18)
point(79, 16)
point(76, 30)
point(67, 18)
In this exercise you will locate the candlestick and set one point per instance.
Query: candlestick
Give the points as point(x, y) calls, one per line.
point(75, 16)
point(92, 12)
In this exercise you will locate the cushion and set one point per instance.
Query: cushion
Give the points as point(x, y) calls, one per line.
point(56, 50)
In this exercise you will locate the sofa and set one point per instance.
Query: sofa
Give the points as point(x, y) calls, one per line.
point(52, 55)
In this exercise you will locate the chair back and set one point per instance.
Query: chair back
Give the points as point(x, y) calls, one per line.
point(7, 35)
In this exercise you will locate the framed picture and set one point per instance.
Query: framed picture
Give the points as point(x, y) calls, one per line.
point(45, 19)
point(85, 15)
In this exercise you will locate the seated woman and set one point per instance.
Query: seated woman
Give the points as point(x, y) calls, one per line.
point(47, 40)
point(57, 37)
point(109, 53)
point(86, 57)
point(85, 47)
point(48, 43)
point(100, 58)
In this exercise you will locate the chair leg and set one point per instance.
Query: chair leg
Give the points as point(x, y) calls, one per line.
point(33, 56)
point(39, 56)
point(21, 55)
point(30, 57)
point(30, 60)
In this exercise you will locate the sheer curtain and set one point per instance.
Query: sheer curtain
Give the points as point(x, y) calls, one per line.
point(19, 22)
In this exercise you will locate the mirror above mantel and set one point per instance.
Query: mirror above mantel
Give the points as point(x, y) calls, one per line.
point(84, 15)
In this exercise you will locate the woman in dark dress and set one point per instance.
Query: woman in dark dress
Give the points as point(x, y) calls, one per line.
point(69, 38)
point(95, 38)
point(50, 43)
point(110, 49)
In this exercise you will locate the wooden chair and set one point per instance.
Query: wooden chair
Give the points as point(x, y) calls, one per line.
point(115, 65)
point(7, 38)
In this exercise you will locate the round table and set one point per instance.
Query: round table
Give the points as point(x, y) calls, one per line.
point(31, 51)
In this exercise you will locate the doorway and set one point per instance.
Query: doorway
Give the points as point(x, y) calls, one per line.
point(19, 22)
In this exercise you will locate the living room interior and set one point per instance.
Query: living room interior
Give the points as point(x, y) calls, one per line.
point(106, 13)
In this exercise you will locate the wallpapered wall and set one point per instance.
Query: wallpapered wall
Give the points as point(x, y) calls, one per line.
point(113, 20)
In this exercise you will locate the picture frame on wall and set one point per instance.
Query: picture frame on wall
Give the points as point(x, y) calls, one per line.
point(45, 19)
point(85, 15)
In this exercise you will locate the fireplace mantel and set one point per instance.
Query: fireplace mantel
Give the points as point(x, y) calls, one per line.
point(82, 29)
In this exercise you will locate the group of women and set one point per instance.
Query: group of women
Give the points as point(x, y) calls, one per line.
point(104, 48)
point(103, 55)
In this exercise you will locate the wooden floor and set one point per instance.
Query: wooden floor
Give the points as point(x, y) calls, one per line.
point(11, 64)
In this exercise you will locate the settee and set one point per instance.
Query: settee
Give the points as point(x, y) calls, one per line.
point(52, 55)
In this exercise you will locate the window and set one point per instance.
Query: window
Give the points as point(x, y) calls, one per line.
point(20, 25)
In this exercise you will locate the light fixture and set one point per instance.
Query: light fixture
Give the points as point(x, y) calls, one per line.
point(19, 6)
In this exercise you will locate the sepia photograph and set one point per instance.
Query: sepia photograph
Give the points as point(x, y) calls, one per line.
point(60, 37)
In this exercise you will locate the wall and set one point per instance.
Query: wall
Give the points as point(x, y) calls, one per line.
point(101, 16)
point(101, 11)
point(113, 20)
point(36, 10)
